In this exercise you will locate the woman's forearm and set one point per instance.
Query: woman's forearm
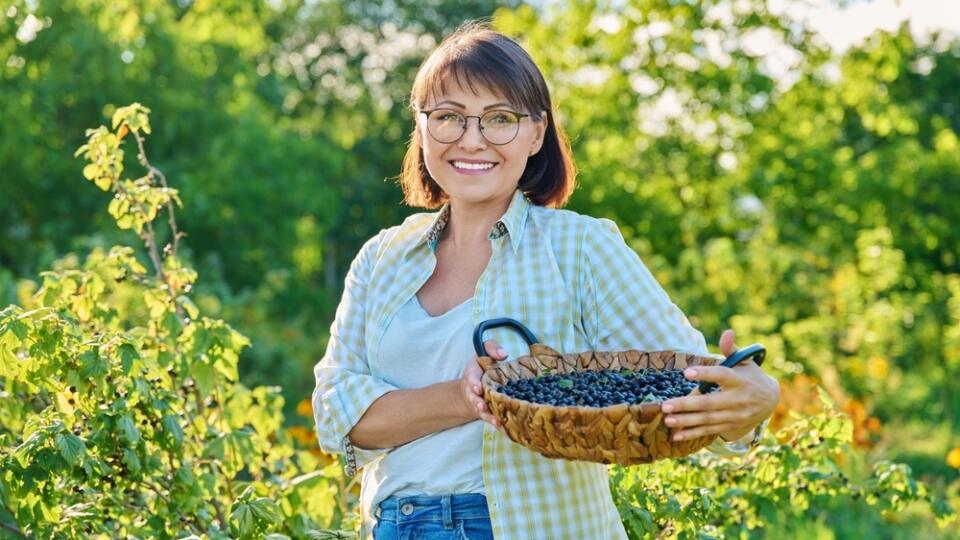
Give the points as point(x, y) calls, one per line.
point(401, 416)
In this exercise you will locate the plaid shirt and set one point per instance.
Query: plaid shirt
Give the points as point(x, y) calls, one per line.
point(572, 280)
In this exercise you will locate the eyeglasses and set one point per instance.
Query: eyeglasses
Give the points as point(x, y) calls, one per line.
point(498, 127)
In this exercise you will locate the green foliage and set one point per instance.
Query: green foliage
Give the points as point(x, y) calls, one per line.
point(794, 476)
point(127, 418)
point(813, 213)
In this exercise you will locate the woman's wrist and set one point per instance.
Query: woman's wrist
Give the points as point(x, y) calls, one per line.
point(736, 435)
point(749, 437)
point(466, 411)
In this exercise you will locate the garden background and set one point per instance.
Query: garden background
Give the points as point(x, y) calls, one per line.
point(806, 197)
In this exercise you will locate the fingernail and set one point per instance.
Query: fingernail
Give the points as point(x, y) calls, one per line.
point(678, 437)
point(671, 421)
point(667, 407)
point(476, 388)
point(690, 373)
point(502, 352)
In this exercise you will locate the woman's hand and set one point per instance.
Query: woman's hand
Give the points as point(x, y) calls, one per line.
point(748, 395)
point(470, 389)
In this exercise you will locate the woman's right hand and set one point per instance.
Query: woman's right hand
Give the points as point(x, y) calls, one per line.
point(470, 389)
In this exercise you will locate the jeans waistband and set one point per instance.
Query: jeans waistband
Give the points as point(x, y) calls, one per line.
point(443, 508)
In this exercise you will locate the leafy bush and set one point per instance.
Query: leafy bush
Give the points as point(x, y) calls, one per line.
point(804, 474)
point(122, 413)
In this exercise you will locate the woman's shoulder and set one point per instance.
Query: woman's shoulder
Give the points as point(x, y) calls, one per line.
point(565, 223)
point(398, 238)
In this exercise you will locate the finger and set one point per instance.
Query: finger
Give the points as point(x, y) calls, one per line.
point(492, 420)
point(494, 350)
point(698, 402)
point(693, 419)
point(727, 345)
point(480, 405)
point(700, 431)
point(724, 376)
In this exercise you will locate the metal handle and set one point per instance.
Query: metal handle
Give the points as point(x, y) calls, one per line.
point(755, 351)
point(497, 323)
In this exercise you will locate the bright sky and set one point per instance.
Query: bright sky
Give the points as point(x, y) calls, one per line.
point(843, 27)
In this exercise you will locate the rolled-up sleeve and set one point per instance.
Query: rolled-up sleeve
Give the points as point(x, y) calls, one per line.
point(344, 386)
point(624, 306)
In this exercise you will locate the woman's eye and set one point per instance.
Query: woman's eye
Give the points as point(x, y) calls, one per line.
point(449, 117)
point(499, 118)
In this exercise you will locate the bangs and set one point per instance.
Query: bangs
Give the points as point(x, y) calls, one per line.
point(487, 66)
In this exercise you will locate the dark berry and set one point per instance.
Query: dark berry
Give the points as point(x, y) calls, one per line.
point(600, 388)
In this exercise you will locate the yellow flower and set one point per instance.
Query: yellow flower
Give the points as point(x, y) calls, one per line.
point(301, 434)
point(953, 458)
point(305, 408)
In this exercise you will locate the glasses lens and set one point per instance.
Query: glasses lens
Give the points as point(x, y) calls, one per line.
point(500, 127)
point(445, 125)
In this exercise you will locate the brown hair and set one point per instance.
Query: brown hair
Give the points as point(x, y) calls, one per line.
point(479, 55)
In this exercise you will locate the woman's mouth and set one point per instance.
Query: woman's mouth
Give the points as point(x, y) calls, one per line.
point(473, 168)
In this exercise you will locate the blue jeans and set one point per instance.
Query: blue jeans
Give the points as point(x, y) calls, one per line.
point(460, 516)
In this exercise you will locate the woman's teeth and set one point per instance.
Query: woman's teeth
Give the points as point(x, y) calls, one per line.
point(473, 166)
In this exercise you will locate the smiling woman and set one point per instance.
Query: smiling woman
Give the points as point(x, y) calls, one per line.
point(398, 390)
point(479, 74)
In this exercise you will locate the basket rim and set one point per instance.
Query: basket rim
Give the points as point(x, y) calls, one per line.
point(640, 410)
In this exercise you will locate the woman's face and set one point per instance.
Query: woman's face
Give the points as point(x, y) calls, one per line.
point(446, 162)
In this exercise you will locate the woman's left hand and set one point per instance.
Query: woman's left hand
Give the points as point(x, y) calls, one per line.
point(748, 395)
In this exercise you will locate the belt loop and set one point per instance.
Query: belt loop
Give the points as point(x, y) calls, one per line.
point(447, 512)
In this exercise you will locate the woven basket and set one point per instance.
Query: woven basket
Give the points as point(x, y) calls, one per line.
point(624, 434)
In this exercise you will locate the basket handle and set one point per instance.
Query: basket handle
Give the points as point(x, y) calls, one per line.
point(497, 323)
point(755, 351)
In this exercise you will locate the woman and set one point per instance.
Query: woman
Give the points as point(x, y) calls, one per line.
point(398, 389)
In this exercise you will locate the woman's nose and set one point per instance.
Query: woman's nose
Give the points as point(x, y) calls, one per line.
point(472, 136)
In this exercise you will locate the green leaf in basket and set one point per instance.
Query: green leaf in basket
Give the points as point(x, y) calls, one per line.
point(565, 383)
point(626, 373)
point(649, 398)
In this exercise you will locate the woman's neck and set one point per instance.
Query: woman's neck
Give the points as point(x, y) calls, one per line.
point(470, 224)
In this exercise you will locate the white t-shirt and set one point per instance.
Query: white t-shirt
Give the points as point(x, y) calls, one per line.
point(418, 350)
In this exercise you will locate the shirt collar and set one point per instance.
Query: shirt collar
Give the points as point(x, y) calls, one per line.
point(511, 222)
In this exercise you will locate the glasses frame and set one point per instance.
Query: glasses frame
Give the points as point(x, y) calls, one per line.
point(466, 122)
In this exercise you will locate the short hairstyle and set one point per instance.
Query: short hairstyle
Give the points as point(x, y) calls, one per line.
point(480, 56)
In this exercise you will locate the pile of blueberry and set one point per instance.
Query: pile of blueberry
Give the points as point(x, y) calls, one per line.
point(601, 388)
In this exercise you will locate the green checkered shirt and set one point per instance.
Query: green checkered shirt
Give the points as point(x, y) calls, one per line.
point(572, 280)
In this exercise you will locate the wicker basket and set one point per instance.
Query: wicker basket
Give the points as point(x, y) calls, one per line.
point(623, 433)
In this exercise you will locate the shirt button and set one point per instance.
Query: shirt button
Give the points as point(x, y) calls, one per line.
point(407, 509)
point(495, 504)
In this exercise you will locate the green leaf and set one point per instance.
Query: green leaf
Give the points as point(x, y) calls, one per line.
point(19, 329)
point(172, 427)
point(266, 510)
point(565, 383)
point(242, 518)
point(92, 366)
point(71, 448)
point(128, 429)
point(128, 354)
point(131, 460)
point(203, 374)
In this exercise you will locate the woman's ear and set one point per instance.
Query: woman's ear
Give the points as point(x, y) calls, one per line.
point(541, 130)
